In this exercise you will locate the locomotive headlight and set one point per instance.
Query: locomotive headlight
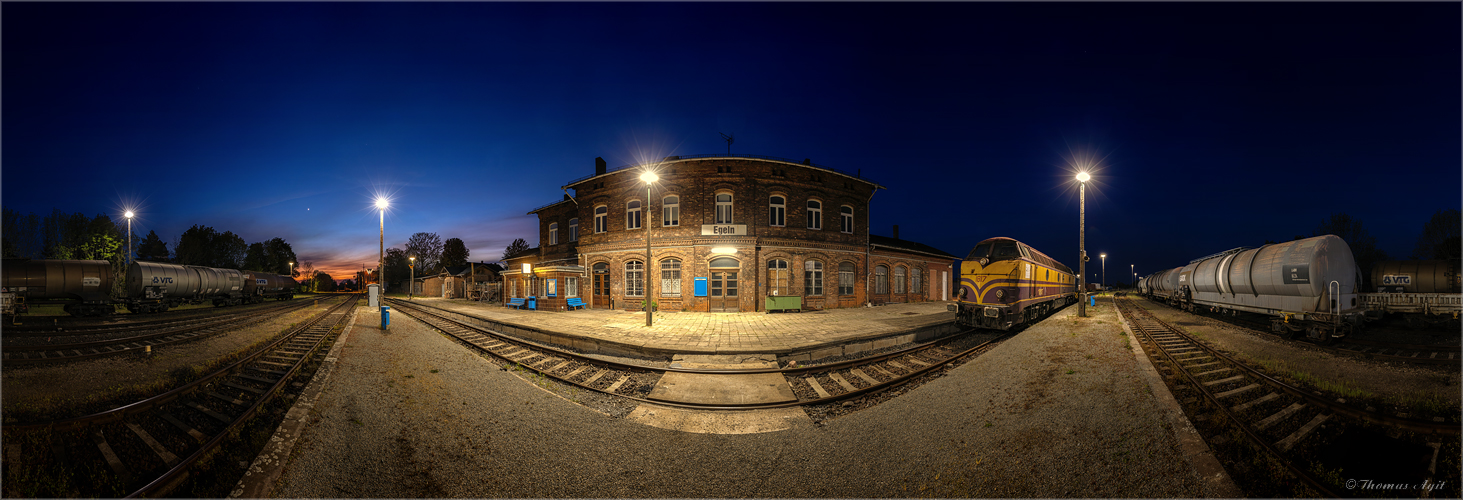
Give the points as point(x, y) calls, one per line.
point(985, 260)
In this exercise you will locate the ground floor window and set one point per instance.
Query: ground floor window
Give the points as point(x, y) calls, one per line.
point(670, 278)
point(777, 277)
point(634, 279)
point(845, 278)
point(571, 287)
point(916, 280)
point(813, 278)
point(881, 280)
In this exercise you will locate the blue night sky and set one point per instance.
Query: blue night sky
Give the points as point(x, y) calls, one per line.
point(1218, 124)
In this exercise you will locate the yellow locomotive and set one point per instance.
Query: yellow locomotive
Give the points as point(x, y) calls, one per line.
point(1005, 283)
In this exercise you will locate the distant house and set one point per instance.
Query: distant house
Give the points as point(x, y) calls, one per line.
point(460, 281)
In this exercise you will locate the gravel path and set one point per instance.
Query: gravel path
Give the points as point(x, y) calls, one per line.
point(1057, 411)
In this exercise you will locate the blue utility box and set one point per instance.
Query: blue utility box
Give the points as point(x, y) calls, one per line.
point(700, 287)
point(385, 317)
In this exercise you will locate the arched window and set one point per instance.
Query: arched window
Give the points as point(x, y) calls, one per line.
point(632, 215)
point(845, 278)
point(670, 278)
point(724, 208)
point(845, 213)
point(881, 280)
point(815, 214)
point(724, 262)
point(634, 279)
point(574, 229)
point(899, 279)
point(777, 211)
point(916, 280)
point(672, 209)
point(601, 219)
point(777, 277)
point(812, 278)
point(553, 233)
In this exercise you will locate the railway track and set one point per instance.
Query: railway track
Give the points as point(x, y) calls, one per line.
point(1229, 400)
point(148, 447)
point(1450, 356)
point(813, 385)
point(132, 338)
point(58, 326)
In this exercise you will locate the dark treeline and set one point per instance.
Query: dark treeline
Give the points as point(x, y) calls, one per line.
point(63, 236)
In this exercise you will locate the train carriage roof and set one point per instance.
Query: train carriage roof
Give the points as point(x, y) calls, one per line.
point(1036, 255)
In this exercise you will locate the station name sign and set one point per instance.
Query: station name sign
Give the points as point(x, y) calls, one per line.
point(723, 230)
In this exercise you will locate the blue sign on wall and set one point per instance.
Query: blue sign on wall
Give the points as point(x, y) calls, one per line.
point(700, 287)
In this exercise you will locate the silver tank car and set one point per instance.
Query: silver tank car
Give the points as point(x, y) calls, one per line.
point(84, 286)
point(224, 286)
point(259, 286)
point(1417, 276)
point(159, 281)
point(1305, 285)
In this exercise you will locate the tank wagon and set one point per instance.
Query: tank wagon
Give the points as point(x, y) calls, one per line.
point(155, 286)
point(260, 286)
point(1306, 286)
point(1005, 283)
point(84, 287)
point(1422, 291)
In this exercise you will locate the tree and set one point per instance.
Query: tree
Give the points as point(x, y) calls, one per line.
point(278, 256)
point(1440, 237)
point(323, 282)
point(517, 247)
point(254, 258)
point(454, 253)
point(427, 248)
point(152, 248)
point(349, 285)
point(1363, 245)
point(195, 246)
point(307, 269)
point(396, 266)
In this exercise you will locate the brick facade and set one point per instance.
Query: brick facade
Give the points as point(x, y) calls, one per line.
point(696, 184)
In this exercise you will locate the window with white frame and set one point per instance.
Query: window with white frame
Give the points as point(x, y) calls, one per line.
point(574, 229)
point(899, 279)
point(670, 278)
point(724, 208)
point(812, 278)
point(601, 218)
point(846, 214)
point(671, 206)
point(815, 214)
point(777, 211)
point(916, 278)
point(553, 233)
point(881, 280)
point(513, 288)
point(634, 279)
point(845, 278)
point(632, 215)
point(777, 277)
point(571, 287)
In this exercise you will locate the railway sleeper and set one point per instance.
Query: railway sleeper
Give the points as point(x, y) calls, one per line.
point(110, 456)
point(818, 388)
point(187, 429)
point(847, 387)
point(1290, 441)
point(1279, 416)
point(882, 371)
point(860, 374)
point(162, 451)
point(1256, 402)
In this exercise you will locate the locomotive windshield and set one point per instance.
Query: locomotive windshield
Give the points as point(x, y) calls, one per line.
point(981, 250)
point(1005, 250)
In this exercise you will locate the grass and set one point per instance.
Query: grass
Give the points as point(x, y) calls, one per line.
point(1342, 388)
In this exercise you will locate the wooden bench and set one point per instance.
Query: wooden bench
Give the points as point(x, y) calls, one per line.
point(515, 303)
point(575, 302)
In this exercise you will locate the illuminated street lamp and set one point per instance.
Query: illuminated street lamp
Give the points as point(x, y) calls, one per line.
point(1082, 178)
point(129, 216)
point(292, 270)
point(411, 286)
point(381, 203)
point(649, 177)
point(1103, 256)
point(1135, 275)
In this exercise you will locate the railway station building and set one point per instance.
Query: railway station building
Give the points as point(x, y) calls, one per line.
point(727, 233)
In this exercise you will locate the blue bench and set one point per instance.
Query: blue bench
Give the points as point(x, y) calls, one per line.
point(515, 303)
point(576, 302)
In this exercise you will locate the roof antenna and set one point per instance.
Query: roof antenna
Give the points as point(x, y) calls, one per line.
point(728, 138)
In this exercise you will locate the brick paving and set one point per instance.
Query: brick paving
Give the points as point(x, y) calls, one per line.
point(719, 333)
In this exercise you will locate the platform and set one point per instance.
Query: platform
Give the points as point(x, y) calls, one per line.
point(791, 336)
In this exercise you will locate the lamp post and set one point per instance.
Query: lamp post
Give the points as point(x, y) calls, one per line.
point(1103, 256)
point(1082, 178)
point(1135, 275)
point(411, 286)
point(292, 270)
point(381, 261)
point(649, 177)
point(129, 215)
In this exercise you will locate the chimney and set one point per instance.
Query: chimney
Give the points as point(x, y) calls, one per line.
point(896, 231)
point(808, 161)
point(599, 166)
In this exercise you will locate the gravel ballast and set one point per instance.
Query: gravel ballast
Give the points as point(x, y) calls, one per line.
point(1059, 410)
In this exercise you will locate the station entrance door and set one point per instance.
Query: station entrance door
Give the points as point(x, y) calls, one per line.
point(722, 287)
point(601, 286)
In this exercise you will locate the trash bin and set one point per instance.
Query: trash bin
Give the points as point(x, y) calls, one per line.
point(385, 317)
point(532, 303)
point(1092, 300)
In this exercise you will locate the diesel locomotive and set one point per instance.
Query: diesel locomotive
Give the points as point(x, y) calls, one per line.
point(1005, 283)
point(84, 286)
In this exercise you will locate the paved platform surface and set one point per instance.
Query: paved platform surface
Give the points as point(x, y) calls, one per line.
point(1059, 410)
point(727, 333)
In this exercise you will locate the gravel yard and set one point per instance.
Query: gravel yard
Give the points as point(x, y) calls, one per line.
point(1411, 388)
point(1057, 411)
point(82, 387)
